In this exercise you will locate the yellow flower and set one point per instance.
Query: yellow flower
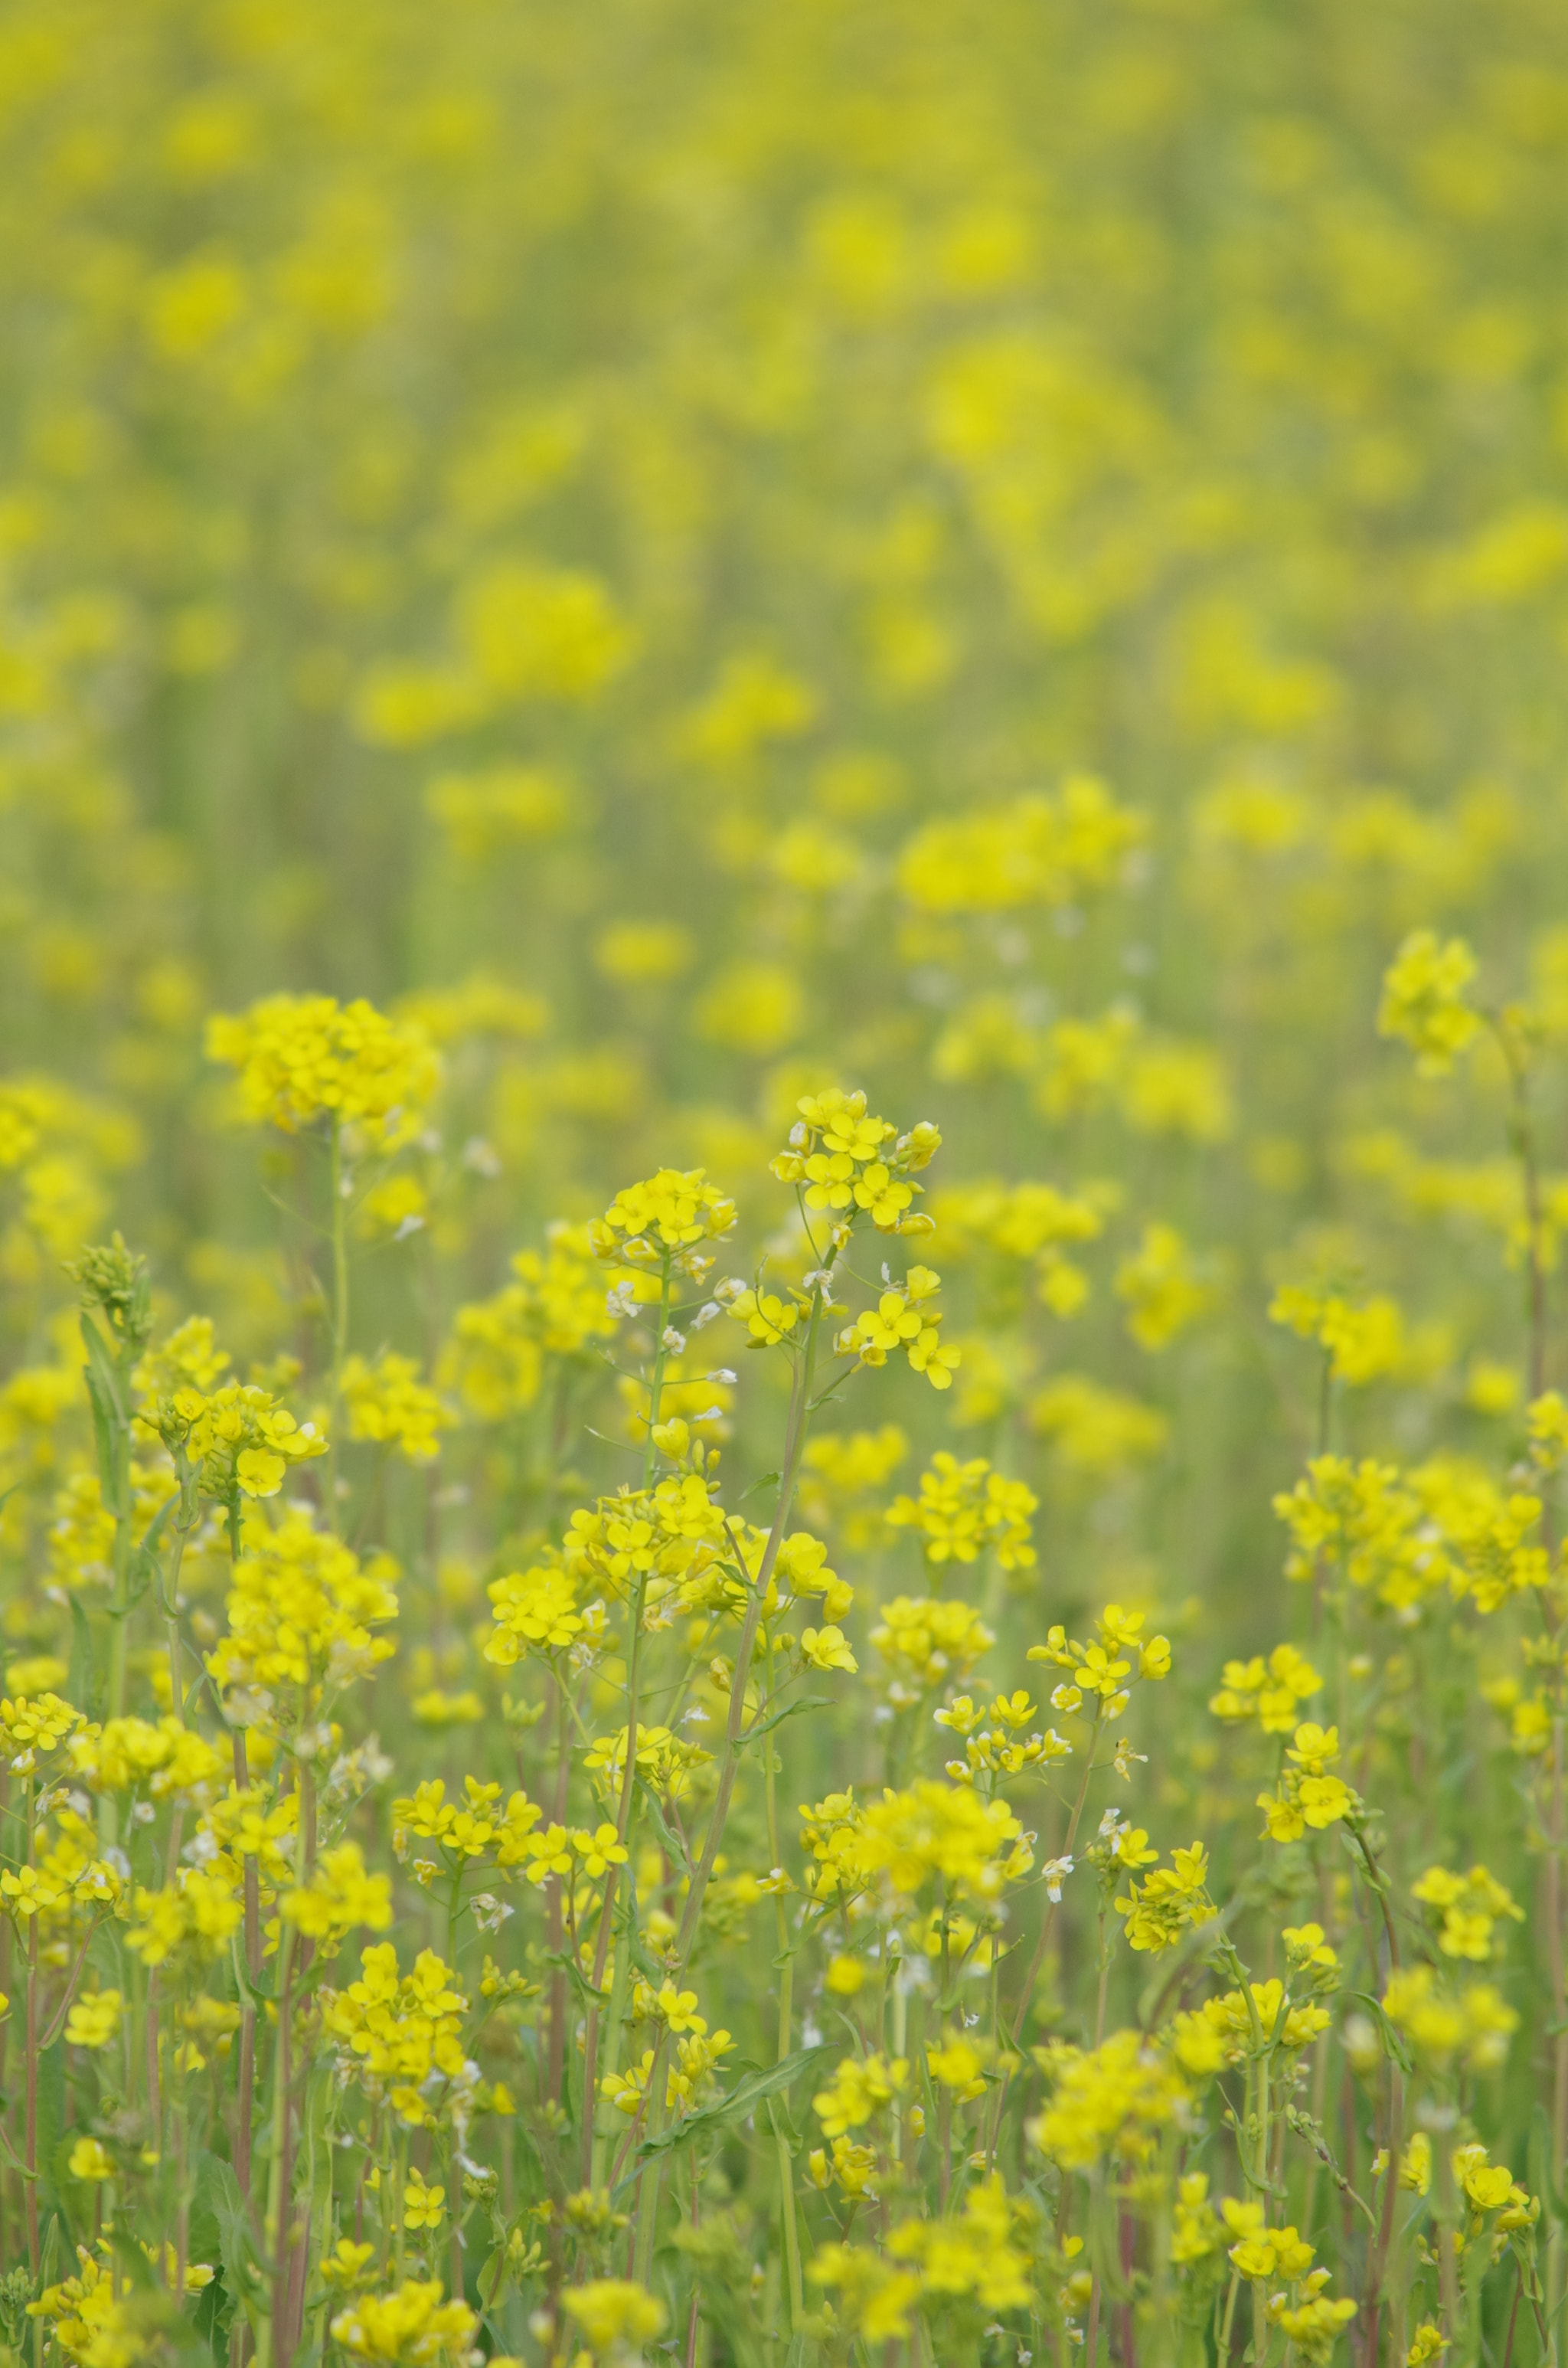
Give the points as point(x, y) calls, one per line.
point(304, 1057)
point(1167, 1900)
point(860, 2089)
point(1115, 2099)
point(1160, 1290)
point(386, 1402)
point(412, 2327)
point(423, 2207)
point(89, 2161)
point(612, 2311)
point(94, 2019)
point(964, 1508)
point(555, 1307)
point(535, 1610)
point(1441, 2025)
point(337, 1895)
point(904, 1319)
point(303, 1603)
point(1423, 1000)
point(1267, 1691)
point(670, 1211)
point(1040, 849)
point(933, 1830)
point(826, 1648)
point(346, 2265)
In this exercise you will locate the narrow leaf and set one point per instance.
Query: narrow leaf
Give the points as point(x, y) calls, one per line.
point(743, 2099)
point(765, 1725)
point(662, 1827)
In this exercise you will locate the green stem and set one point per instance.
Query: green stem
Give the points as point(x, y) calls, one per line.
point(598, 2137)
point(339, 1314)
point(786, 2005)
point(735, 1737)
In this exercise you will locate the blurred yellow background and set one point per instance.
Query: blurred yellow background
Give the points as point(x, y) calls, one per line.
point(643, 531)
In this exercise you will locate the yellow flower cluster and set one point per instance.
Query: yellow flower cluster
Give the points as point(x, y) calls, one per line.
point(303, 1606)
point(241, 1438)
point(1441, 2025)
point(1158, 1911)
point(924, 1641)
point(1040, 850)
point(386, 1402)
point(846, 1161)
point(412, 2327)
point(963, 1508)
point(536, 1610)
point(944, 1832)
point(300, 1058)
point(1267, 1691)
point(1105, 1669)
point(1308, 1795)
point(905, 1319)
point(1469, 1908)
point(1423, 1001)
point(401, 2034)
point(555, 1307)
point(1113, 2099)
point(669, 1213)
point(1028, 1222)
point(166, 1760)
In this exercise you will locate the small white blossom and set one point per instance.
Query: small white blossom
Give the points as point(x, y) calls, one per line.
point(1055, 1872)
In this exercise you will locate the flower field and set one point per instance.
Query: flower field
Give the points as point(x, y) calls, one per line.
point(783, 1163)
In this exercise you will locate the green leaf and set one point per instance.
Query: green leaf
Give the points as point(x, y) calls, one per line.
point(662, 1827)
point(743, 2099)
point(768, 1480)
point(760, 1726)
point(218, 2190)
point(51, 2121)
point(488, 2277)
point(146, 1570)
point(1393, 2046)
point(109, 1416)
point(579, 1979)
point(54, 2254)
point(79, 1682)
point(783, 2127)
point(249, 1993)
point(1539, 2165)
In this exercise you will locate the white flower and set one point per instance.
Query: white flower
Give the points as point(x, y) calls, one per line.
point(1055, 1872)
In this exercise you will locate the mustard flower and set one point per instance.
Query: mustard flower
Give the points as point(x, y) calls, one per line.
point(669, 1212)
point(1423, 1000)
point(964, 1508)
point(614, 2314)
point(411, 2328)
point(304, 1057)
point(303, 1604)
point(386, 1401)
